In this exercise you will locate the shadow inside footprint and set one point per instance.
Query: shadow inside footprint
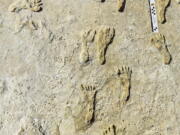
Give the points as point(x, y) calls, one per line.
point(123, 6)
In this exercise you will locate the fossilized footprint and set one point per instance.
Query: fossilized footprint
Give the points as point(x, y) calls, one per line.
point(125, 80)
point(86, 117)
point(18, 5)
point(158, 41)
point(104, 37)
point(86, 37)
point(161, 9)
point(121, 4)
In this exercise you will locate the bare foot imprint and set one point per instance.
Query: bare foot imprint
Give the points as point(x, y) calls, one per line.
point(161, 8)
point(125, 81)
point(86, 37)
point(159, 42)
point(85, 117)
point(105, 36)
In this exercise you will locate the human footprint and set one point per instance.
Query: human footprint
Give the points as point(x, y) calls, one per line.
point(104, 37)
point(85, 118)
point(125, 81)
point(159, 42)
point(161, 8)
point(86, 37)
